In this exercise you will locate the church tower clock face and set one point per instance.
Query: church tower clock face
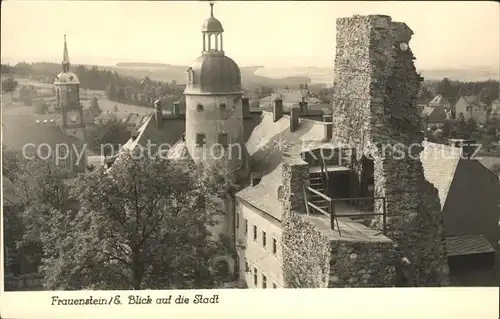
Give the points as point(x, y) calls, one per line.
point(67, 94)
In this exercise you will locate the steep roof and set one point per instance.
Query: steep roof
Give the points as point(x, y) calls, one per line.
point(439, 100)
point(467, 245)
point(19, 130)
point(435, 114)
point(468, 192)
point(266, 146)
point(172, 131)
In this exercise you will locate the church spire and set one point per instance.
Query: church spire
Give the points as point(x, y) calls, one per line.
point(65, 61)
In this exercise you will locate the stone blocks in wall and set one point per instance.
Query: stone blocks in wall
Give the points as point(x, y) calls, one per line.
point(362, 264)
point(374, 109)
point(295, 175)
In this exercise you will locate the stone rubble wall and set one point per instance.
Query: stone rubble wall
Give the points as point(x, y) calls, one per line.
point(358, 264)
point(374, 109)
point(306, 252)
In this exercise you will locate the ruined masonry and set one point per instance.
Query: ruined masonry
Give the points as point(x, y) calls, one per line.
point(375, 113)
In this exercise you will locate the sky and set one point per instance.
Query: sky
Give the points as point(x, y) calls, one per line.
point(271, 34)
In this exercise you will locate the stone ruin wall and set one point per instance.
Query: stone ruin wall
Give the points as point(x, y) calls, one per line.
point(310, 259)
point(374, 105)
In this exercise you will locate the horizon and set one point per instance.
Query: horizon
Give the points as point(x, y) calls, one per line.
point(119, 26)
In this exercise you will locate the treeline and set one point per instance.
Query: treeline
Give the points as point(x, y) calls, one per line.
point(487, 91)
point(125, 89)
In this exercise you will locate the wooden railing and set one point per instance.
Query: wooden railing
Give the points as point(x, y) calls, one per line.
point(330, 212)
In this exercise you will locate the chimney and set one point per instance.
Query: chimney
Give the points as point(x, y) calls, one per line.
point(158, 114)
point(176, 111)
point(328, 118)
point(277, 109)
point(303, 106)
point(255, 179)
point(294, 118)
point(245, 104)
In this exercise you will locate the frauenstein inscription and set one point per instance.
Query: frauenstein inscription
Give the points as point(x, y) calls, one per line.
point(135, 300)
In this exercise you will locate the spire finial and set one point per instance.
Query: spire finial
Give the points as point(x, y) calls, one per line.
point(211, 8)
point(65, 62)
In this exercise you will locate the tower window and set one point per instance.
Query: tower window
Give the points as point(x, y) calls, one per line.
point(254, 232)
point(264, 239)
point(275, 246)
point(264, 281)
point(199, 107)
point(223, 139)
point(200, 139)
point(246, 226)
point(189, 76)
point(237, 220)
point(222, 106)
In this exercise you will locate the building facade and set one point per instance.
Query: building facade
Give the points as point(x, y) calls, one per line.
point(471, 108)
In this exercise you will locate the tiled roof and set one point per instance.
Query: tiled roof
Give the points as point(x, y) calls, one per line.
point(467, 190)
point(20, 130)
point(264, 195)
point(266, 146)
point(468, 245)
point(439, 99)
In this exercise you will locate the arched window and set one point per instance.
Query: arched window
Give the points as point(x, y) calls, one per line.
point(190, 74)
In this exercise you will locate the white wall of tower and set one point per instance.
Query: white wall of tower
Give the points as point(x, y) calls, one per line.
point(212, 121)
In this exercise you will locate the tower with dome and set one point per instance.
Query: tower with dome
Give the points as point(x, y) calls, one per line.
point(214, 116)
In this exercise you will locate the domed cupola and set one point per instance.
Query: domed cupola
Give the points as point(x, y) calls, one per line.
point(213, 72)
point(212, 24)
point(66, 76)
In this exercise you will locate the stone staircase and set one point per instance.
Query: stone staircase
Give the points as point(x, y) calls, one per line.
point(316, 183)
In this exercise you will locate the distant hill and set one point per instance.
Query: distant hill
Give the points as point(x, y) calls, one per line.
point(141, 65)
point(165, 72)
point(325, 75)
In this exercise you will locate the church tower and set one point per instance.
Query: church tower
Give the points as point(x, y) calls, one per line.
point(68, 99)
point(214, 117)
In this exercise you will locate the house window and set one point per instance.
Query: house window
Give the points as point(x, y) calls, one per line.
point(264, 239)
point(223, 139)
point(200, 139)
point(254, 233)
point(199, 107)
point(255, 277)
point(275, 246)
point(264, 281)
point(237, 220)
point(222, 106)
point(274, 286)
point(62, 157)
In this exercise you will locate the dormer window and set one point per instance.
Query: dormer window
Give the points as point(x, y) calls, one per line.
point(190, 74)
